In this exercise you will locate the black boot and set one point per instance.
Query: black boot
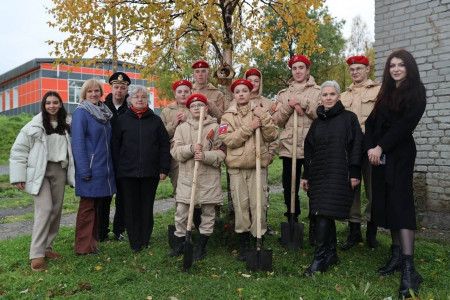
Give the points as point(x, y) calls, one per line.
point(319, 263)
point(200, 252)
point(312, 231)
point(354, 237)
point(197, 218)
point(394, 263)
point(332, 258)
point(411, 279)
point(245, 245)
point(371, 235)
point(179, 247)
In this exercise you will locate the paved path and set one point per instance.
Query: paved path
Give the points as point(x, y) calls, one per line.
point(15, 229)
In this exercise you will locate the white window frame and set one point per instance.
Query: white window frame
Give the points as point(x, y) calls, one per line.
point(15, 97)
point(74, 97)
point(7, 100)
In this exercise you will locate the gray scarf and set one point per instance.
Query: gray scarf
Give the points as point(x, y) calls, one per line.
point(99, 112)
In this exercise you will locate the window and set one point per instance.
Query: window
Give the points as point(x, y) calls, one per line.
point(1, 101)
point(15, 97)
point(151, 100)
point(7, 100)
point(75, 90)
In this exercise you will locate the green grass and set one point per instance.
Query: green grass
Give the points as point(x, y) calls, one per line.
point(117, 273)
point(10, 127)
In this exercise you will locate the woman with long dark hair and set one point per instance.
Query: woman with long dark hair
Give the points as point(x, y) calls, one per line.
point(41, 163)
point(391, 150)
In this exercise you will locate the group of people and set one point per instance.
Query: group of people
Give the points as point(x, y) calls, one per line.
point(122, 147)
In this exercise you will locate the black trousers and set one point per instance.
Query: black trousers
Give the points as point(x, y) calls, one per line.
point(119, 216)
point(138, 196)
point(287, 178)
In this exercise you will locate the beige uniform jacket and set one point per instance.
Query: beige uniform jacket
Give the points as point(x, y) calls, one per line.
point(169, 114)
point(309, 95)
point(215, 98)
point(209, 188)
point(360, 99)
point(240, 139)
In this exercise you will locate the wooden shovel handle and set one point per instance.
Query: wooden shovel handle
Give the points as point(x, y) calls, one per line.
point(294, 161)
point(258, 183)
point(196, 167)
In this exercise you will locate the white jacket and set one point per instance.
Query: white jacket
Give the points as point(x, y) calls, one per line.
point(28, 159)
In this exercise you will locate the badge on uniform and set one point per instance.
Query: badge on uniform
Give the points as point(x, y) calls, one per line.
point(223, 129)
point(274, 107)
point(223, 148)
point(210, 134)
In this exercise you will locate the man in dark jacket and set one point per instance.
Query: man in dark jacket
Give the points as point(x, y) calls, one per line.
point(116, 102)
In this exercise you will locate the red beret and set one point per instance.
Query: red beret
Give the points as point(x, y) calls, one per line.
point(359, 59)
point(241, 81)
point(297, 58)
point(200, 64)
point(181, 82)
point(253, 72)
point(196, 97)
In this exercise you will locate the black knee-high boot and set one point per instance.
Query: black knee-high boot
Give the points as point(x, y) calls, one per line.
point(332, 257)
point(319, 263)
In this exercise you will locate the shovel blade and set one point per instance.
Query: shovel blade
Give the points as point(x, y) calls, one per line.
point(188, 252)
point(259, 260)
point(292, 235)
point(171, 234)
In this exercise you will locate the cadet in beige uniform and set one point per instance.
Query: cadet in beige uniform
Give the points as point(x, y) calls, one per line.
point(237, 132)
point(300, 97)
point(254, 76)
point(210, 152)
point(172, 116)
point(360, 98)
point(216, 102)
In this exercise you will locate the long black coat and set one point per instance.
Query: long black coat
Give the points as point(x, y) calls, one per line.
point(140, 146)
point(333, 149)
point(392, 184)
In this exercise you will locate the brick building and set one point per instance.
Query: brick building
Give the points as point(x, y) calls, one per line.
point(22, 88)
point(423, 28)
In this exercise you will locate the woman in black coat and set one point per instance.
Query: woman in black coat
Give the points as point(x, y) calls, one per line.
point(141, 152)
point(333, 149)
point(391, 150)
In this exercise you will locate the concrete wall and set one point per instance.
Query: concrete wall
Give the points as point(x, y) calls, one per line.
point(423, 28)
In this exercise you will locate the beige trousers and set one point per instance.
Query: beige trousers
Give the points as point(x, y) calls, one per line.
point(355, 210)
point(243, 190)
point(47, 210)
point(182, 214)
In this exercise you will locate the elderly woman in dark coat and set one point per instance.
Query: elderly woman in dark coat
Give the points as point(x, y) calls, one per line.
point(333, 149)
point(141, 152)
point(399, 108)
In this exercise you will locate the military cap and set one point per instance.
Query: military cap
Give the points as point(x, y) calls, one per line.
point(120, 77)
point(181, 82)
point(241, 81)
point(358, 59)
point(200, 64)
point(253, 72)
point(196, 97)
point(297, 58)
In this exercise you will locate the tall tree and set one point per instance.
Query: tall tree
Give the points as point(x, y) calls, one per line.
point(155, 32)
point(360, 40)
point(326, 64)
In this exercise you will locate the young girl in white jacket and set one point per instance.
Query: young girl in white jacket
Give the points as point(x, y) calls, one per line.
point(41, 163)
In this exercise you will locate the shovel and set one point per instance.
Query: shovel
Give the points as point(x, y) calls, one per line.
point(292, 233)
point(259, 260)
point(188, 245)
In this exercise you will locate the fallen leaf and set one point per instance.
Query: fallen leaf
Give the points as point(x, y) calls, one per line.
point(234, 252)
point(24, 291)
point(40, 279)
point(246, 275)
point(239, 272)
point(240, 289)
point(214, 275)
point(150, 254)
point(338, 288)
point(149, 297)
point(98, 268)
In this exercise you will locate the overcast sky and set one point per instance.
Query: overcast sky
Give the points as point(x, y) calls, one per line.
point(24, 30)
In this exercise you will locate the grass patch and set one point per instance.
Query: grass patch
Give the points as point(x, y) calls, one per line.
point(10, 127)
point(119, 274)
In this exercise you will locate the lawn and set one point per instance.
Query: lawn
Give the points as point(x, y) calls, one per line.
point(117, 273)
